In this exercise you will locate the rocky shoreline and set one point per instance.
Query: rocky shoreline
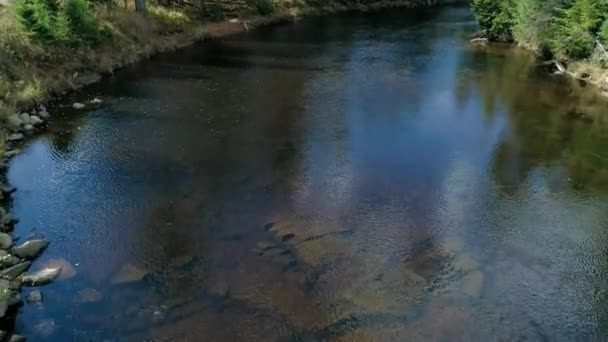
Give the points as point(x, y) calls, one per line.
point(16, 259)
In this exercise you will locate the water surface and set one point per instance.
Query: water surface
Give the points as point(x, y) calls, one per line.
point(361, 177)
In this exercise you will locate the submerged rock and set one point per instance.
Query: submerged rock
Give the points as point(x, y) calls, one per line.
point(41, 277)
point(6, 241)
point(88, 295)
point(67, 270)
point(128, 274)
point(35, 297)
point(16, 270)
point(45, 328)
point(78, 105)
point(30, 249)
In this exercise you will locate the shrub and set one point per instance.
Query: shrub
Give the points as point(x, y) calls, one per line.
point(171, 20)
point(574, 28)
point(264, 7)
point(494, 17)
point(47, 21)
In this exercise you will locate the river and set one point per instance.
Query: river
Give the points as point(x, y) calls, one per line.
point(357, 177)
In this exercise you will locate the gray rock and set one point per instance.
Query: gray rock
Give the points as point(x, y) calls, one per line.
point(5, 293)
point(7, 189)
point(17, 338)
point(3, 253)
point(6, 241)
point(36, 120)
point(25, 118)
point(78, 105)
point(41, 277)
point(15, 271)
point(44, 114)
point(30, 249)
point(11, 153)
point(97, 101)
point(28, 127)
point(15, 137)
point(8, 261)
point(34, 297)
point(41, 108)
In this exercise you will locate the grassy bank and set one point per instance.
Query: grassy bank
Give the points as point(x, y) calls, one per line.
point(36, 66)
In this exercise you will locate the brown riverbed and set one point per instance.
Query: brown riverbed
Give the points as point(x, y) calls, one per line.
point(352, 178)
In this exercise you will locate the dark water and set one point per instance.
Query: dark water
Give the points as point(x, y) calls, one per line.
point(351, 178)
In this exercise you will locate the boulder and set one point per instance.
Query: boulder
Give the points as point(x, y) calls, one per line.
point(78, 105)
point(44, 114)
point(25, 118)
point(17, 338)
point(67, 269)
point(15, 137)
point(41, 277)
point(28, 127)
point(34, 297)
point(30, 249)
point(6, 241)
point(8, 261)
point(97, 101)
point(16, 270)
point(36, 120)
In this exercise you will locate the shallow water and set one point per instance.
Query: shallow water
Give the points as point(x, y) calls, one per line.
point(361, 177)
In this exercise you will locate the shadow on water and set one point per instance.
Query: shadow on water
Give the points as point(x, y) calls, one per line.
point(360, 177)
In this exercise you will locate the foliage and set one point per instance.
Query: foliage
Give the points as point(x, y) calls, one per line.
point(264, 7)
point(48, 21)
point(568, 28)
point(170, 19)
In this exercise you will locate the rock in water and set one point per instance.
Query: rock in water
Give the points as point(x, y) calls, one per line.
point(128, 274)
point(36, 120)
point(5, 241)
point(78, 105)
point(97, 101)
point(25, 118)
point(46, 328)
point(34, 297)
point(42, 277)
point(17, 338)
point(67, 270)
point(88, 295)
point(15, 137)
point(30, 249)
point(15, 271)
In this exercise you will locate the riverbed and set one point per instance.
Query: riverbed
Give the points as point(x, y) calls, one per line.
point(357, 177)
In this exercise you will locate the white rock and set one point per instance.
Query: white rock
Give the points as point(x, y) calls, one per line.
point(41, 277)
point(36, 120)
point(28, 127)
point(78, 105)
point(97, 101)
point(15, 137)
